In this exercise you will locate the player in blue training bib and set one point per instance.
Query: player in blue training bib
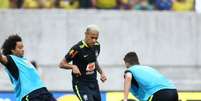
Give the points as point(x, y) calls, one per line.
point(24, 77)
point(145, 83)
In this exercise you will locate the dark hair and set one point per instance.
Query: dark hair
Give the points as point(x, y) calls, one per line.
point(131, 58)
point(10, 44)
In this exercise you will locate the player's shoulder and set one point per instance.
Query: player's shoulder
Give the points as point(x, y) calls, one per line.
point(76, 46)
point(127, 71)
point(74, 49)
point(127, 74)
point(97, 45)
point(81, 44)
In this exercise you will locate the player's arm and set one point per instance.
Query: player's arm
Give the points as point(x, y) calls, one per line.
point(100, 71)
point(127, 84)
point(3, 59)
point(65, 63)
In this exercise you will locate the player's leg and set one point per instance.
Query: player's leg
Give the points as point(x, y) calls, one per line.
point(165, 95)
point(82, 92)
point(96, 92)
point(97, 97)
point(76, 90)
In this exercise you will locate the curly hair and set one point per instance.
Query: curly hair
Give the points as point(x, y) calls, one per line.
point(10, 44)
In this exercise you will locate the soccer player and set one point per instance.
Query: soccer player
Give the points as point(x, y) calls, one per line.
point(24, 77)
point(145, 83)
point(83, 56)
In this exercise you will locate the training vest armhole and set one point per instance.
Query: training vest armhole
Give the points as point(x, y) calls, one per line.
point(12, 68)
point(133, 81)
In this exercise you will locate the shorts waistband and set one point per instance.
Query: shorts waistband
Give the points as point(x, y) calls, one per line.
point(37, 91)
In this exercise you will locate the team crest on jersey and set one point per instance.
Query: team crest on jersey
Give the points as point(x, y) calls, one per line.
point(85, 97)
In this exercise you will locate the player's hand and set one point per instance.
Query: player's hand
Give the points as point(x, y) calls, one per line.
point(103, 77)
point(76, 70)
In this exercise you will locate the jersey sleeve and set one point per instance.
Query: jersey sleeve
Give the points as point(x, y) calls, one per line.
point(72, 53)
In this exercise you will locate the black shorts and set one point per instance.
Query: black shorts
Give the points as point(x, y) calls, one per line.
point(165, 95)
point(87, 91)
point(41, 94)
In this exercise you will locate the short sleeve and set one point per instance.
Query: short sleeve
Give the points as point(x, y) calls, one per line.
point(72, 53)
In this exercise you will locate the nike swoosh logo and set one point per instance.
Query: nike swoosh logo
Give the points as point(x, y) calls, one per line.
point(85, 56)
